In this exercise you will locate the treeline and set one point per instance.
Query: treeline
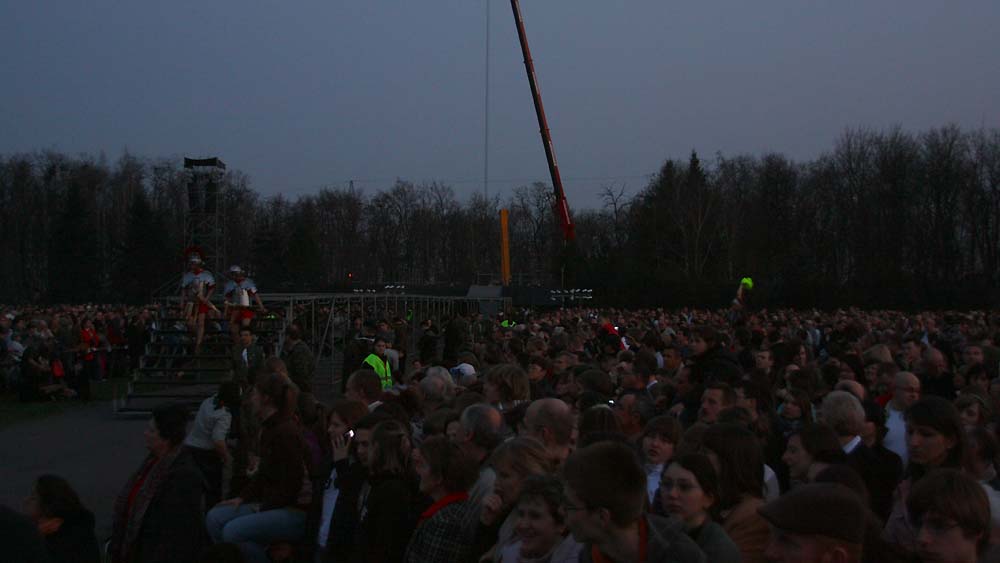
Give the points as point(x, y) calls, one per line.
point(886, 219)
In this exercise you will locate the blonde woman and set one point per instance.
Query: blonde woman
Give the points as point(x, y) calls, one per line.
point(513, 461)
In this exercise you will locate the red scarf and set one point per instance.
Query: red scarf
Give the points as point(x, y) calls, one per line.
point(135, 499)
point(441, 503)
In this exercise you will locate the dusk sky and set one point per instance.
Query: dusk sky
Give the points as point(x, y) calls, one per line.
point(303, 94)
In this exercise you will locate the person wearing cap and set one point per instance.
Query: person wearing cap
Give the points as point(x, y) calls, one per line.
point(463, 375)
point(816, 522)
point(238, 292)
point(197, 286)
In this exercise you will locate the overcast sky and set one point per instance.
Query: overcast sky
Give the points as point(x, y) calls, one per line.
point(303, 94)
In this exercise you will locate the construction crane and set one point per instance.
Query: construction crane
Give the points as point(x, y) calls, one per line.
point(561, 207)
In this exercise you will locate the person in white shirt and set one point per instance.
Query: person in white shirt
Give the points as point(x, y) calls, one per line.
point(207, 439)
point(906, 391)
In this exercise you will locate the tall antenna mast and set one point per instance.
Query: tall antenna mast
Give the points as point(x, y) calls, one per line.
point(486, 112)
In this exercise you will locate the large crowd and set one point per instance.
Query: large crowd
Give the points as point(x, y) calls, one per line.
point(52, 353)
point(570, 435)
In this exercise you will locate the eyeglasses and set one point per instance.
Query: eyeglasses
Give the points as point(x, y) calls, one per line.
point(682, 487)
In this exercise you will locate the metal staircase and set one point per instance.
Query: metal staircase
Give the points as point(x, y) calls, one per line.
point(170, 372)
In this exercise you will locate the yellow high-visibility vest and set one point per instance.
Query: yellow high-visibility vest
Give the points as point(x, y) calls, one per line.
point(381, 369)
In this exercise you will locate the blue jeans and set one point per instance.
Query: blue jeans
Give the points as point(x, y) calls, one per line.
point(252, 530)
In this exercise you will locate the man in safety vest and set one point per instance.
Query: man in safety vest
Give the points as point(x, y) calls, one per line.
point(379, 361)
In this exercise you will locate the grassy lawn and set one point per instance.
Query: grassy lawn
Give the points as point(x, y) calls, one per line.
point(12, 411)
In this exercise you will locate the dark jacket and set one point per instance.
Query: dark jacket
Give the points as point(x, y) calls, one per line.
point(456, 337)
point(483, 537)
point(667, 542)
point(279, 480)
point(172, 526)
point(301, 364)
point(716, 545)
point(881, 470)
point(716, 364)
point(542, 388)
point(74, 541)
point(774, 444)
point(356, 352)
point(255, 358)
point(428, 345)
point(20, 538)
point(942, 385)
point(351, 478)
point(388, 517)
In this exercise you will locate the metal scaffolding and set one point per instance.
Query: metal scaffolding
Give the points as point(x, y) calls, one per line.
point(326, 317)
point(169, 371)
point(205, 220)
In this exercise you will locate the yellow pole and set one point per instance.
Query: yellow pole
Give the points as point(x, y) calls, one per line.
point(504, 247)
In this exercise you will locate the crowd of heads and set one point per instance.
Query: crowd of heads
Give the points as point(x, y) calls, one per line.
point(49, 353)
point(772, 435)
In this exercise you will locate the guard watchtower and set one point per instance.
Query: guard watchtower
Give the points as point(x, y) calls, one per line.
point(204, 222)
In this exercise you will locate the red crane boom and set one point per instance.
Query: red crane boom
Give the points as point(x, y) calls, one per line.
point(561, 206)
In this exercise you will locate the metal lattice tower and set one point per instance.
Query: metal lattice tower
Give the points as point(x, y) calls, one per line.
point(204, 222)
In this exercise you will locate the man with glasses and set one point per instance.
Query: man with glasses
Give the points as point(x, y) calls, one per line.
point(611, 521)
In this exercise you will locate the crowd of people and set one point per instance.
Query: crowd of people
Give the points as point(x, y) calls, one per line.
point(590, 435)
point(54, 353)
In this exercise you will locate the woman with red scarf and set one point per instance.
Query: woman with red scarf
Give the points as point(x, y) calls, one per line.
point(446, 474)
point(158, 515)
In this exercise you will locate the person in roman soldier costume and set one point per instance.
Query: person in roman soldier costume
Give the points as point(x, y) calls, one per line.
point(197, 286)
point(239, 292)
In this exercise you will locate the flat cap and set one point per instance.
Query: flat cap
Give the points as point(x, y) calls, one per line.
point(823, 509)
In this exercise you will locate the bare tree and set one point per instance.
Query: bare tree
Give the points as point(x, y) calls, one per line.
point(614, 200)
